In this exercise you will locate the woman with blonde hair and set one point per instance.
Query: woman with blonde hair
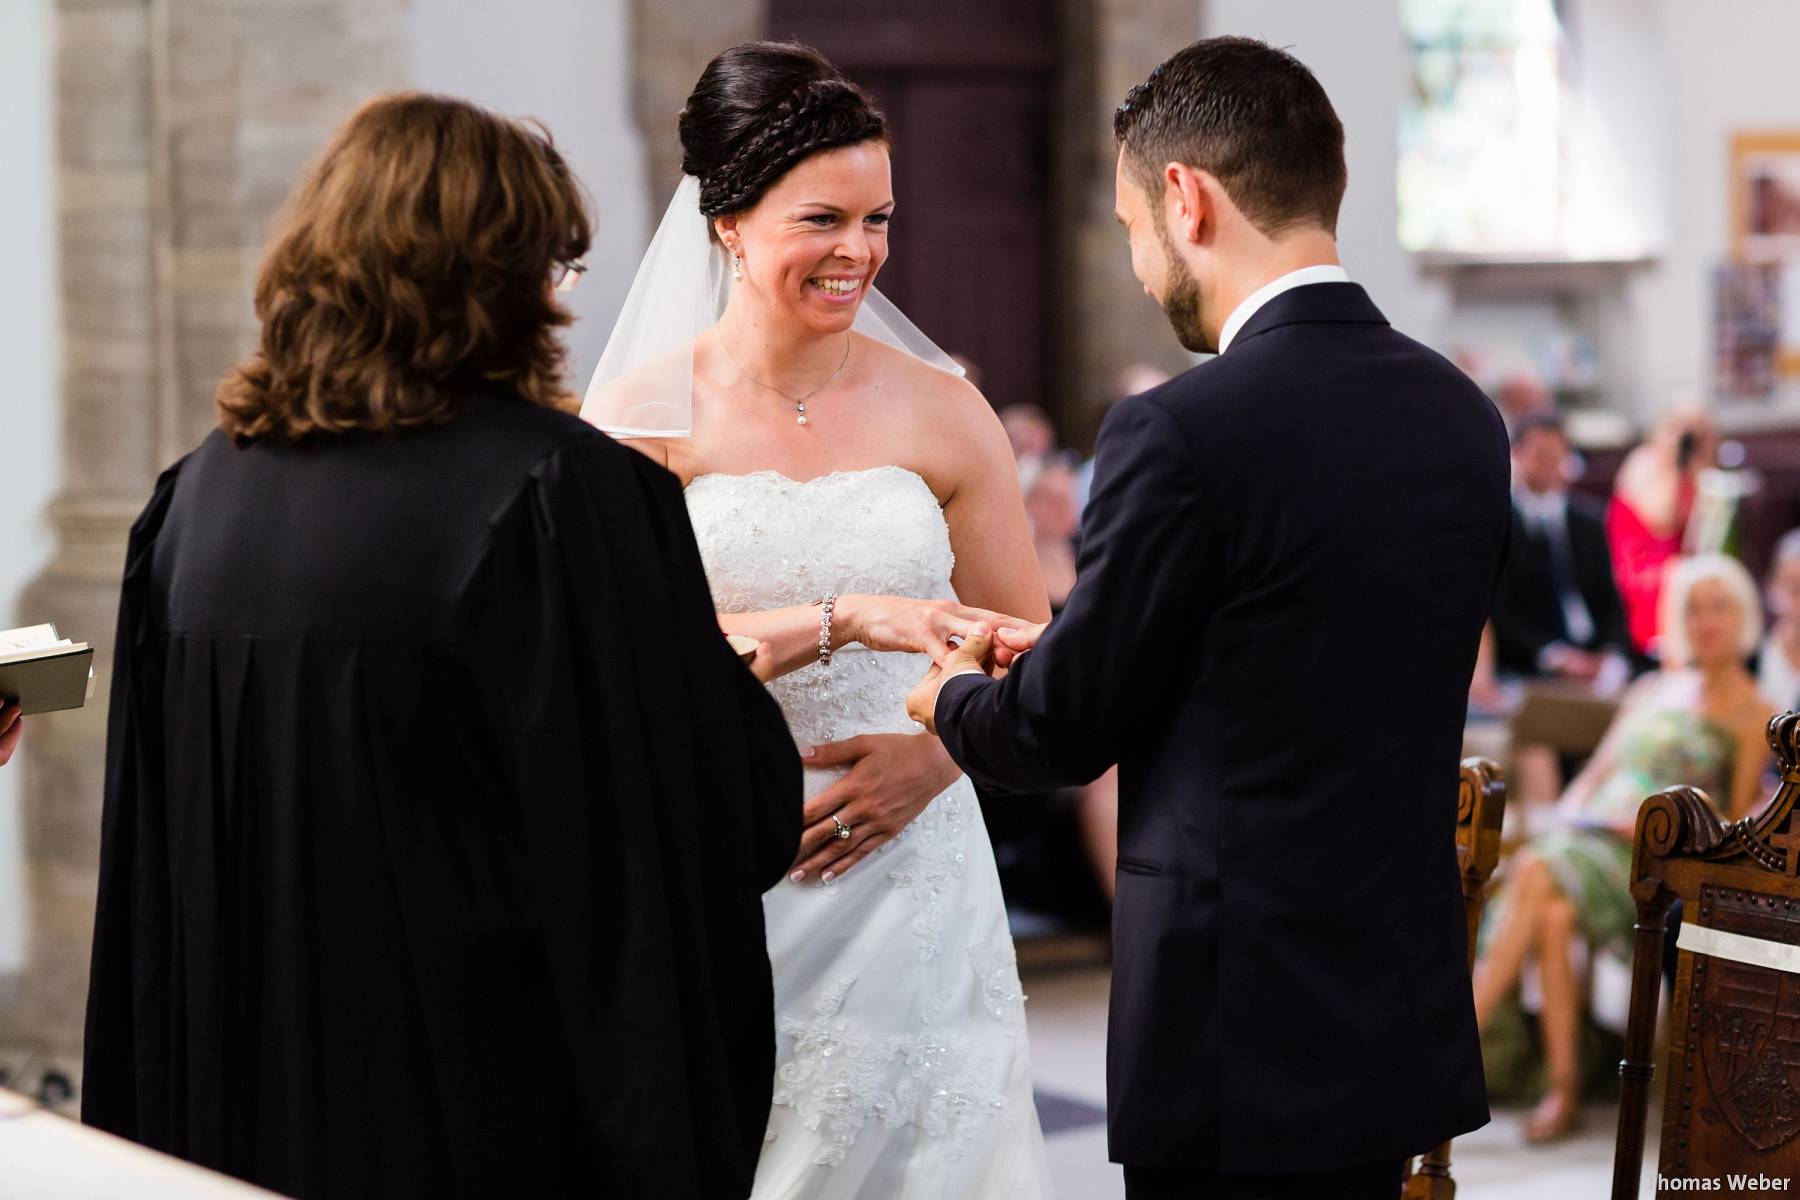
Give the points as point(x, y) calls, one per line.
point(1698, 721)
point(438, 812)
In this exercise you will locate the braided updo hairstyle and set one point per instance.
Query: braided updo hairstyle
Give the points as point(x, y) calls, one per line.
point(759, 109)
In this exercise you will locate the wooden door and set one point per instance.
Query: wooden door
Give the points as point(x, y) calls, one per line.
point(967, 91)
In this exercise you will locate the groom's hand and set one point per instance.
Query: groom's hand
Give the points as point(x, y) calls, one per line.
point(1010, 643)
point(975, 654)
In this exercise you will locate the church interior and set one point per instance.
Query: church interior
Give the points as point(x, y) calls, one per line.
point(1591, 207)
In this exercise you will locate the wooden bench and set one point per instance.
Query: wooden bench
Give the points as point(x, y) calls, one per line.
point(1731, 1087)
point(1480, 810)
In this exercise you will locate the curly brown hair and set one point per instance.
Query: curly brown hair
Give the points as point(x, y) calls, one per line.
point(412, 265)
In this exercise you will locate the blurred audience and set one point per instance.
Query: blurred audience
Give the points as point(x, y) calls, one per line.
point(1651, 503)
point(1778, 663)
point(1488, 698)
point(1033, 438)
point(1556, 609)
point(1520, 395)
point(1697, 721)
point(1130, 381)
point(1055, 520)
point(12, 729)
point(1054, 498)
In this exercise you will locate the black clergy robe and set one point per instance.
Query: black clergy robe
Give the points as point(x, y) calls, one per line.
point(437, 818)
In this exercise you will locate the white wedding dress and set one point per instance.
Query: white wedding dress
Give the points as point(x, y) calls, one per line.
point(903, 1070)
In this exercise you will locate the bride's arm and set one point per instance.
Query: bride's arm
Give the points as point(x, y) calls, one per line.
point(996, 562)
point(894, 776)
point(878, 622)
point(996, 576)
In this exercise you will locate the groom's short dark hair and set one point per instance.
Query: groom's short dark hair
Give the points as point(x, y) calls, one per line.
point(1251, 116)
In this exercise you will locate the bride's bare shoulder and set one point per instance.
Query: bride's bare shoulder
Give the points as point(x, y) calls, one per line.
point(935, 394)
point(947, 425)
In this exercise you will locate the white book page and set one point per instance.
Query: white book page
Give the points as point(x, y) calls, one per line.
point(30, 637)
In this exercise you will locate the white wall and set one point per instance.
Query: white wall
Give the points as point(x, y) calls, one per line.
point(563, 61)
point(567, 63)
point(1731, 67)
point(1357, 54)
point(1669, 81)
point(29, 346)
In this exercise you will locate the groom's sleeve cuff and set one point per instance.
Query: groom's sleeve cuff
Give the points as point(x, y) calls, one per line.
point(954, 683)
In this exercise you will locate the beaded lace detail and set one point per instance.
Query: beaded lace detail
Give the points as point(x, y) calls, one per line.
point(774, 542)
point(839, 1077)
point(915, 1017)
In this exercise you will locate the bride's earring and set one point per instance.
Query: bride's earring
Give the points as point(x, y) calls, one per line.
point(737, 267)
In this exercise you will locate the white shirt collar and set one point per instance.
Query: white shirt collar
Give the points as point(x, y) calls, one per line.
point(1268, 291)
point(1545, 508)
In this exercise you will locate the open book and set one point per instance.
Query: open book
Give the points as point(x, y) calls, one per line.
point(45, 672)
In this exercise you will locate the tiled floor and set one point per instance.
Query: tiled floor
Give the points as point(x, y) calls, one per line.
point(1067, 1012)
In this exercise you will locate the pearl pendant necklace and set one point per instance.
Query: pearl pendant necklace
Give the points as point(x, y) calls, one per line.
point(799, 401)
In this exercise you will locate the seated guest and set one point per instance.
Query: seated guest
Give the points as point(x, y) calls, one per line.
point(438, 811)
point(1136, 378)
point(1778, 663)
point(1050, 508)
point(1556, 608)
point(1647, 519)
point(1033, 438)
point(12, 728)
point(1522, 395)
point(1698, 721)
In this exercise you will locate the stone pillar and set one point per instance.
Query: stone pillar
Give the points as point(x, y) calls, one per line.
point(182, 124)
point(1106, 322)
point(672, 41)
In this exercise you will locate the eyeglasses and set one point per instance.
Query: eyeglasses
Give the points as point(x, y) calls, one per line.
point(567, 275)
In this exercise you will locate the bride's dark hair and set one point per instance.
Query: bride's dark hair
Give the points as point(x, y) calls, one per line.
point(759, 109)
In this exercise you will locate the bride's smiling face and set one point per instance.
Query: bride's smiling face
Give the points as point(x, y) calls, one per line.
point(814, 242)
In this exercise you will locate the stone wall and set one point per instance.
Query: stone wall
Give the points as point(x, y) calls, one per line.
point(182, 124)
point(673, 40)
point(1106, 323)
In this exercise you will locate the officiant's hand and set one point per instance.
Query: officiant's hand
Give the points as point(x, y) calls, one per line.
point(892, 777)
point(909, 626)
point(12, 728)
point(976, 653)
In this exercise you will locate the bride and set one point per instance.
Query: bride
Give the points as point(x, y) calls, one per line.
point(856, 506)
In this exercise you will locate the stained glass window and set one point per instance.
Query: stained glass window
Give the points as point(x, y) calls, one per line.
point(1481, 166)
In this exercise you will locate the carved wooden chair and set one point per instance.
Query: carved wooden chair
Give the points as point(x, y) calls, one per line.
point(1731, 1090)
point(1480, 808)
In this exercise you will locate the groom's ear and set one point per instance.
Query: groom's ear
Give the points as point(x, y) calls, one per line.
point(1190, 202)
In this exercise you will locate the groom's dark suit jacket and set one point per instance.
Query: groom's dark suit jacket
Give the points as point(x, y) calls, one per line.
point(1284, 571)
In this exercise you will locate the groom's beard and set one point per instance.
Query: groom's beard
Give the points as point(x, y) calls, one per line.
point(1181, 301)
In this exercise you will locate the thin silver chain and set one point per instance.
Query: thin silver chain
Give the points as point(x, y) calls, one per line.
point(799, 402)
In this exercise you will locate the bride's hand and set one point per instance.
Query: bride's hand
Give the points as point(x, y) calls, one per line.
point(892, 777)
point(909, 626)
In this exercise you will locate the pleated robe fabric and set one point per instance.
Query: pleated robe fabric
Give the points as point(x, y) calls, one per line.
point(437, 818)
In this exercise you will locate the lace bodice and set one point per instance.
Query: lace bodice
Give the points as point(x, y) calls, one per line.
point(769, 541)
point(904, 1069)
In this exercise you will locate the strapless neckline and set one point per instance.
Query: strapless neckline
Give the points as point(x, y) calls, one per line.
point(829, 476)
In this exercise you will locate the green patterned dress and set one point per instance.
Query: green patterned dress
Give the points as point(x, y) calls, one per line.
point(1659, 746)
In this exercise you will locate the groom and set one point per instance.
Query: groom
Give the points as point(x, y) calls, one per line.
point(1284, 571)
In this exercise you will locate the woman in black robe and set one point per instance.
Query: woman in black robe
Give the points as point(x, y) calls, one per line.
point(438, 810)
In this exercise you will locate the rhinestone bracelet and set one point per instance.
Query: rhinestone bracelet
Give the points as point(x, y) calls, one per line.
point(829, 602)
